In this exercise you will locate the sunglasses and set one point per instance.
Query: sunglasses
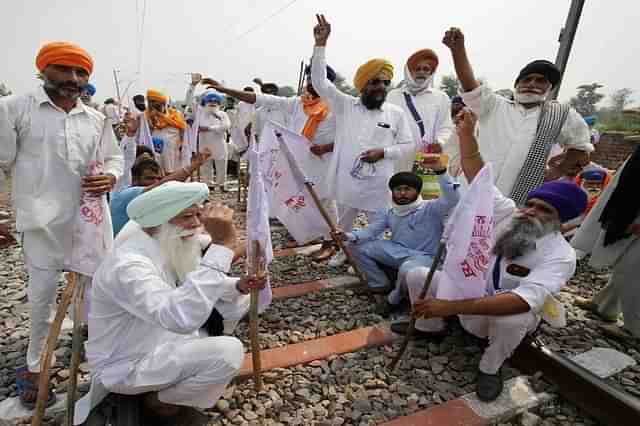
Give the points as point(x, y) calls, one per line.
point(377, 81)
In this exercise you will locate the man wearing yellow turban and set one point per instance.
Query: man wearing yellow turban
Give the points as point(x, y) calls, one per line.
point(167, 125)
point(370, 135)
point(64, 159)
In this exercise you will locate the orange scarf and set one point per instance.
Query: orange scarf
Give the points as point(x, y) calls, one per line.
point(316, 110)
point(172, 118)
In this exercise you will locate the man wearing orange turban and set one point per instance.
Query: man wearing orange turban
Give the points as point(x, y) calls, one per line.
point(370, 135)
point(428, 108)
point(168, 125)
point(64, 159)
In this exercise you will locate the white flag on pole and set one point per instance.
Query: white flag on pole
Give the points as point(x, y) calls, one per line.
point(190, 145)
point(258, 223)
point(289, 198)
point(144, 133)
point(469, 236)
point(92, 232)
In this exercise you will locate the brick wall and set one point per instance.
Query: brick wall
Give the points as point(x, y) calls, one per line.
point(613, 149)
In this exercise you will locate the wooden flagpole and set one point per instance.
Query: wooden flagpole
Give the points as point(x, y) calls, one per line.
point(256, 269)
point(52, 338)
point(423, 294)
point(76, 346)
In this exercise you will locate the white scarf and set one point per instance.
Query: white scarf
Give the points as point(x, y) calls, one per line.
point(406, 209)
point(412, 86)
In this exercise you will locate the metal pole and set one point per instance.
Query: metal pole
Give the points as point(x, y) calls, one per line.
point(567, 34)
point(115, 78)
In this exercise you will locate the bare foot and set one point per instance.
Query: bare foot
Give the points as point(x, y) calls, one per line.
point(158, 407)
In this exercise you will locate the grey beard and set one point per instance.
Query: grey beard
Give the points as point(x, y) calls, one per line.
point(59, 89)
point(520, 238)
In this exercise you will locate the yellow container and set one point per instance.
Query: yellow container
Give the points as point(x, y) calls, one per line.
point(430, 185)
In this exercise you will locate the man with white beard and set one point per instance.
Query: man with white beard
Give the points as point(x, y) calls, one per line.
point(513, 136)
point(531, 263)
point(152, 295)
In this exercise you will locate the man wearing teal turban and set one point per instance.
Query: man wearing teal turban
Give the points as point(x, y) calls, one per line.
point(152, 295)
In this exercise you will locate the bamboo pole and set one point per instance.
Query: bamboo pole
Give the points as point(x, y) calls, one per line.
point(345, 248)
point(52, 338)
point(423, 294)
point(256, 270)
point(76, 346)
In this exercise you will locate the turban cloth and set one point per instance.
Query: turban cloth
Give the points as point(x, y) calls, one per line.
point(567, 198)
point(406, 178)
point(163, 203)
point(369, 70)
point(541, 66)
point(331, 74)
point(64, 53)
point(156, 95)
point(212, 97)
point(597, 175)
point(90, 89)
point(421, 55)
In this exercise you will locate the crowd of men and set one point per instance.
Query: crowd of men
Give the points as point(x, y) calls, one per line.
point(162, 307)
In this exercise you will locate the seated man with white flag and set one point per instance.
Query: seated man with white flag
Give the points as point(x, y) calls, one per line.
point(416, 228)
point(527, 265)
point(154, 292)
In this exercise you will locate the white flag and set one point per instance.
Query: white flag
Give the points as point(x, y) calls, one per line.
point(289, 198)
point(92, 232)
point(258, 222)
point(190, 144)
point(144, 133)
point(470, 236)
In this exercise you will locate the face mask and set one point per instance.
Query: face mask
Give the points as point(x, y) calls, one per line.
point(530, 98)
point(212, 108)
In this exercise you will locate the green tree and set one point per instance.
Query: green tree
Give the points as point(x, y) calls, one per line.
point(586, 99)
point(621, 99)
point(450, 85)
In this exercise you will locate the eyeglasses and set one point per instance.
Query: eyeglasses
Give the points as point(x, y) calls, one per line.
point(377, 81)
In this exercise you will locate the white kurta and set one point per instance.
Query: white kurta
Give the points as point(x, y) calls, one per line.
point(434, 108)
point(141, 319)
point(506, 131)
point(359, 129)
point(170, 156)
point(49, 151)
point(315, 167)
point(266, 114)
point(216, 138)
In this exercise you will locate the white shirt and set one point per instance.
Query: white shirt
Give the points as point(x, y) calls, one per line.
point(315, 167)
point(550, 266)
point(268, 113)
point(359, 129)
point(49, 151)
point(507, 130)
point(215, 139)
point(434, 108)
point(137, 305)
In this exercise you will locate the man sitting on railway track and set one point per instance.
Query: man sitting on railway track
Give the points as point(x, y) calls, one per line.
point(531, 262)
point(416, 228)
point(154, 292)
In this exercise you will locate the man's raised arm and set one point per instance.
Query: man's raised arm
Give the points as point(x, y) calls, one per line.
point(321, 85)
point(454, 40)
point(241, 95)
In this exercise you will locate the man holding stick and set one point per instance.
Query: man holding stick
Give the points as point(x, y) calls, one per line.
point(49, 140)
point(531, 263)
point(155, 291)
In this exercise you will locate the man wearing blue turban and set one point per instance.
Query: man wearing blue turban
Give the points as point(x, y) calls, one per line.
point(213, 127)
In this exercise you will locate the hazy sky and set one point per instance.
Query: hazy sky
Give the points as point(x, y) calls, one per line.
point(203, 36)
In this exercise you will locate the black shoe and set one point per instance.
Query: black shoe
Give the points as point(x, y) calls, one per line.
point(400, 327)
point(489, 386)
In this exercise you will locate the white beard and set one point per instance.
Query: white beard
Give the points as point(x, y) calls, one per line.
point(521, 235)
point(181, 248)
point(530, 98)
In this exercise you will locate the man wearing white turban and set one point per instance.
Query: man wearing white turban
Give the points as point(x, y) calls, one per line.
point(153, 294)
